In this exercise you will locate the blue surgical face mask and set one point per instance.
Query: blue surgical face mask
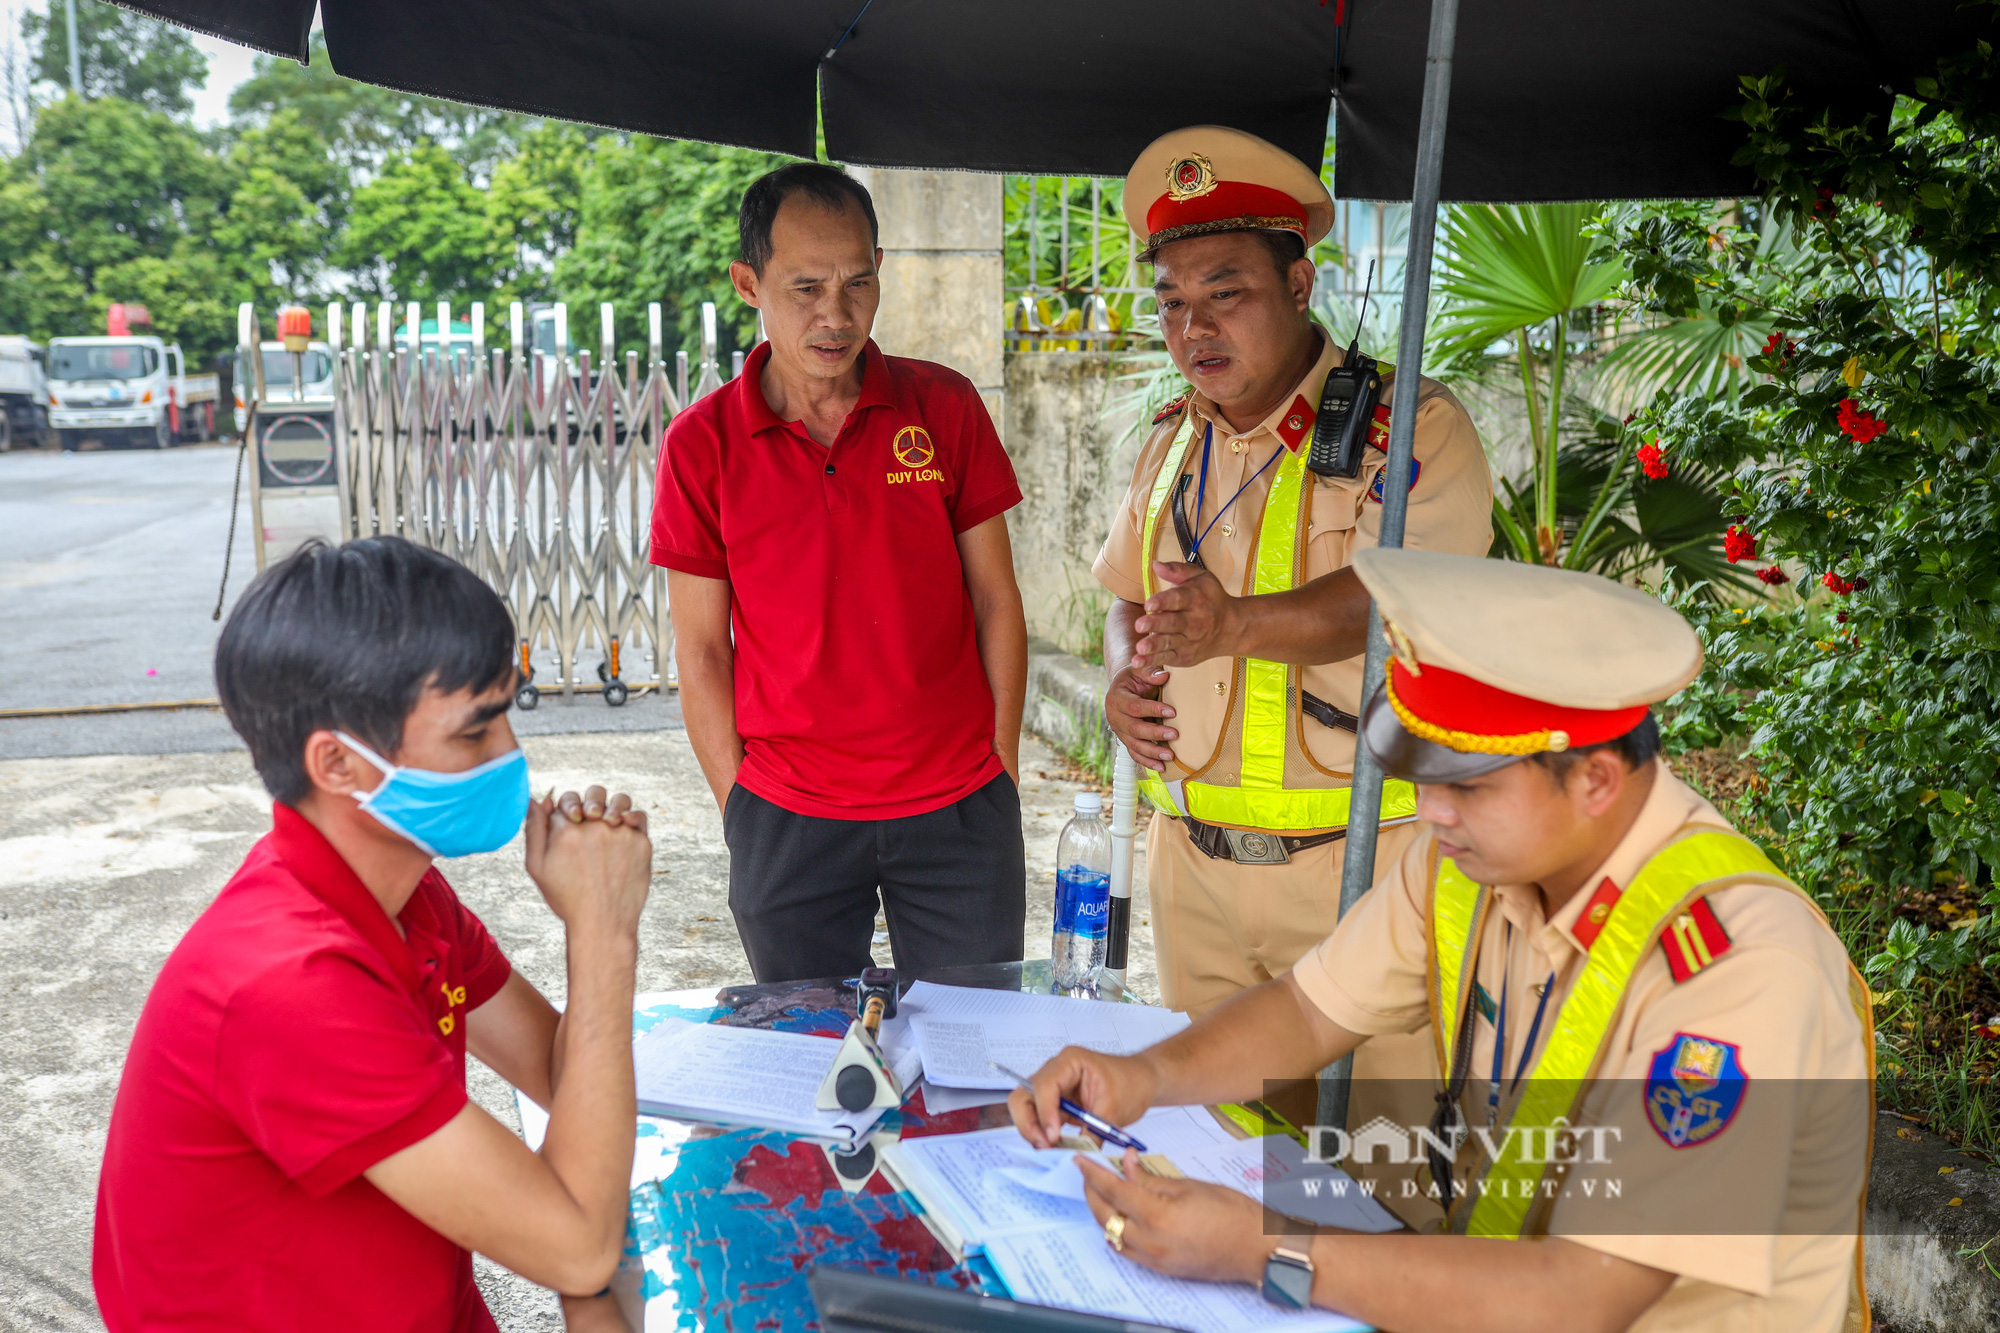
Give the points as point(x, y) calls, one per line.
point(449, 814)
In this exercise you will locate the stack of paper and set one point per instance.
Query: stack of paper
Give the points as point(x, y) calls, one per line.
point(961, 1032)
point(1024, 1209)
point(991, 1183)
point(753, 1076)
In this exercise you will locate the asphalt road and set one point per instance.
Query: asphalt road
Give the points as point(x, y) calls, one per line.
point(109, 563)
point(109, 567)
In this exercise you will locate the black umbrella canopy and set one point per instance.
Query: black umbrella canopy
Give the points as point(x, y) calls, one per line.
point(1551, 99)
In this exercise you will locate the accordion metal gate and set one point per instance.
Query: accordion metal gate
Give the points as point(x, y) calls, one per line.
point(533, 469)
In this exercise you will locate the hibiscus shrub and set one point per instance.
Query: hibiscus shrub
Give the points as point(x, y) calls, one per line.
point(1867, 459)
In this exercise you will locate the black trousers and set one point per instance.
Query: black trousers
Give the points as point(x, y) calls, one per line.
point(953, 884)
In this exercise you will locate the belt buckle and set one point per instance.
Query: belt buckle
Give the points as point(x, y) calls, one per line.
point(1250, 848)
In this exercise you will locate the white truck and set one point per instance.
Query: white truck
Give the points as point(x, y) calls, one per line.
point(24, 395)
point(316, 362)
point(127, 389)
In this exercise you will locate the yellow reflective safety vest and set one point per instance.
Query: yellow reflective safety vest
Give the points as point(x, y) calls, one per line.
point(1701, 860)
point(1264, 707)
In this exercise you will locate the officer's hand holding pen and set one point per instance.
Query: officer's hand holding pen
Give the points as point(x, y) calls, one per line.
point(1118, 1088)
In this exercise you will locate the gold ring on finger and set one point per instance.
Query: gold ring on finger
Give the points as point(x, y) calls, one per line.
point(1114, 1231)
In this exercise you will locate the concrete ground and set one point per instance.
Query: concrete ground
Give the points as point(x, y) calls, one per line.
point(105, 859)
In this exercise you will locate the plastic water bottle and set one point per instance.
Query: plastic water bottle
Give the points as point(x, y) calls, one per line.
point(1083, 894)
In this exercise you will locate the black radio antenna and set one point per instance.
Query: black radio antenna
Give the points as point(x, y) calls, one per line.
point(1362, 318)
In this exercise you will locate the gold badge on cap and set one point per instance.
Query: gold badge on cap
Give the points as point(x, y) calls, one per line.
point(1400, 645)
point(1189, 177)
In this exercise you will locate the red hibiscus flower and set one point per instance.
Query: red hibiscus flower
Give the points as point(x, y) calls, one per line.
point(1652, 461)
point(1739, 545)
point(1774, 576)
point(1836, 584)
point(1858, 422)
point(1780, 346)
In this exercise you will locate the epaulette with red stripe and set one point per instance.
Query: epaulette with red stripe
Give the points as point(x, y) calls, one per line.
point(1693, 940)
point(1172, 409)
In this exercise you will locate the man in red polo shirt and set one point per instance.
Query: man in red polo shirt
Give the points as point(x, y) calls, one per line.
point(843, 513)
point(291, 1146)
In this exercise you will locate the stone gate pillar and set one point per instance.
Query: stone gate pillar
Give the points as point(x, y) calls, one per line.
point(941, 272)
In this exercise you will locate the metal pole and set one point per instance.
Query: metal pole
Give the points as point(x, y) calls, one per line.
point(1124, 813)
point(1365, 812)
point(75, 57)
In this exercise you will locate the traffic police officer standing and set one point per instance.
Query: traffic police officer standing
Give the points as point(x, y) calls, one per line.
point(1571, 913)
point(1234, 646)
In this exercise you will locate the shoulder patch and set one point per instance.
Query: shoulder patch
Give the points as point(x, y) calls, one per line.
point(1693, 940)
point(1172, 409)
point(1694, 1088)
point(1375, 488)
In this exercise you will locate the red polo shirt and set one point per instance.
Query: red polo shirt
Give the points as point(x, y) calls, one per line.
point(859, 690)
point(292, 1041)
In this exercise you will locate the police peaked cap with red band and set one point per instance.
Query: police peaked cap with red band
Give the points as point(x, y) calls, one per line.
point(1496, 660)
point(1209, 178)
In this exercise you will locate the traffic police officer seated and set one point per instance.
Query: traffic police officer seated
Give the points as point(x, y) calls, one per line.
point(1568, 910)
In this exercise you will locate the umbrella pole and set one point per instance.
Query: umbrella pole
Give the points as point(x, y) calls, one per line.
point(1364, 813)
point(1124, 820)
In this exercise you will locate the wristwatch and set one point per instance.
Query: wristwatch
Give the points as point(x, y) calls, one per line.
point(1288, 1279)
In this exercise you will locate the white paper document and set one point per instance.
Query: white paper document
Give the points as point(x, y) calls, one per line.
point(943, 1101)
point(1071, 1266)
point(962, 1032)
point(1024, 1208)
point(749, 1076)
point(1274, 1171)
point(993, 1182)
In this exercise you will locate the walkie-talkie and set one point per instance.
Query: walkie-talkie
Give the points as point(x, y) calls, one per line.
point(1347, 405)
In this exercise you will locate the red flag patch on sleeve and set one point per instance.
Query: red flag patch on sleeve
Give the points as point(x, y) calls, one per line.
point(1693, 940)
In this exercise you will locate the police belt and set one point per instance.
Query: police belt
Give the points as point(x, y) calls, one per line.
point(1252, 847)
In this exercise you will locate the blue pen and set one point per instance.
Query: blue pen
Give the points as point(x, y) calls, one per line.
point(1097, 1125)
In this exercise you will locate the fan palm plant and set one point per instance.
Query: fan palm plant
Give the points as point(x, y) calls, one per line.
point(1520, 286)
point(1515, 278)
point(1705, 352)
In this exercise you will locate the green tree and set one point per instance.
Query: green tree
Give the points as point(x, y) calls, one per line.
point(120, 181)
point(39, 294)
point(1865, 464)
point(534, 199)
point(283, 216)
point(123, 54)
point(187, 293)
point(657, 222)
point(420, 231)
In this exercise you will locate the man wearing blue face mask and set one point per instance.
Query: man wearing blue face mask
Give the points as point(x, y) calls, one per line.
point(292, 1146)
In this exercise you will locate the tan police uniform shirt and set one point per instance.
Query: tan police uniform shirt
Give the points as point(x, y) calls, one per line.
point(1791, 1167)
point(1451, 509)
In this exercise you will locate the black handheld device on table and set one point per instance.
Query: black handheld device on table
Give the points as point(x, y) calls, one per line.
point(849, 1301)
point(1347, 406)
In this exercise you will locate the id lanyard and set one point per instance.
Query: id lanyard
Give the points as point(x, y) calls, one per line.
point(1500, 1034)
point(1201, 491)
